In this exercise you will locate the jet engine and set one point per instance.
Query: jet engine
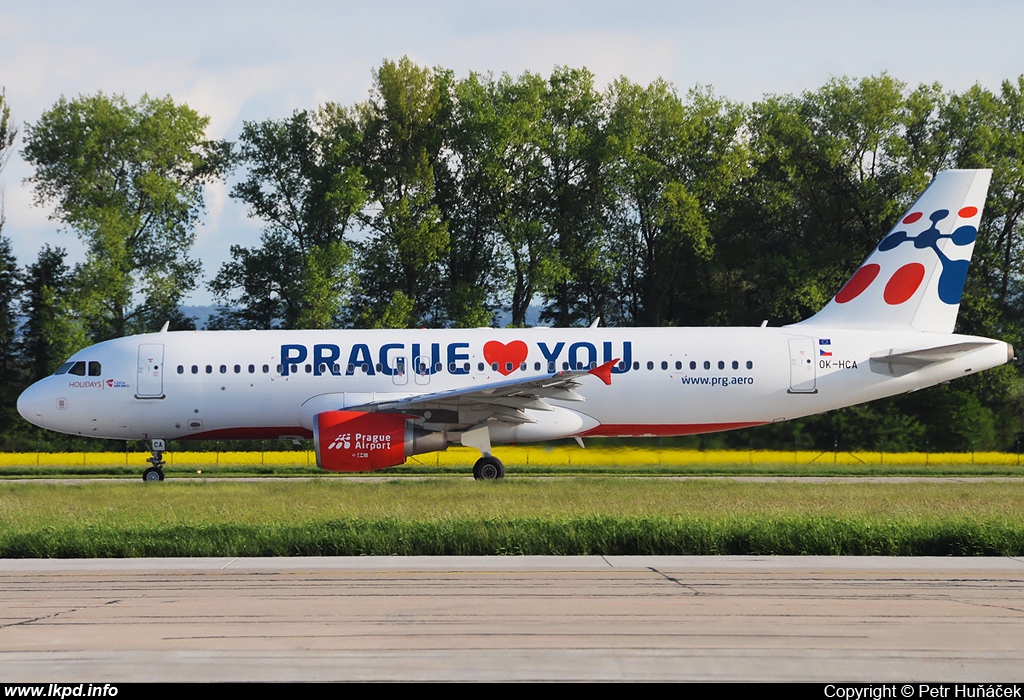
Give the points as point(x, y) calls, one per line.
point(357, 441)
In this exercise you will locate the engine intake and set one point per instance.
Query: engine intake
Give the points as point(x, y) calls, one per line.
point(357, 441)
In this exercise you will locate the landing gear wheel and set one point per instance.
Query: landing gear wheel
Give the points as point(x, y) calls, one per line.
point(153, 474)
point(488, 468)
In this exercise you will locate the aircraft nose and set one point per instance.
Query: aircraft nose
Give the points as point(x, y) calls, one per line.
point(32, 404)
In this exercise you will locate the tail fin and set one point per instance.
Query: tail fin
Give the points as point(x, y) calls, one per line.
point(915, 277)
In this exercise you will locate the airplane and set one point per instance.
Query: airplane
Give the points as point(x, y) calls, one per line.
point(369, 399)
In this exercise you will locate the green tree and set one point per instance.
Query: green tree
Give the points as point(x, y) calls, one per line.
point(498, 242)
point(671, 166)
point(403, 129)
point(128, 179)
point(52, 328)
point(302, 182)
point(574, 200)
point(7, 135)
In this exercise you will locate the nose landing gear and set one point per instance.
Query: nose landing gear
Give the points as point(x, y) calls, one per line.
point(156, 472)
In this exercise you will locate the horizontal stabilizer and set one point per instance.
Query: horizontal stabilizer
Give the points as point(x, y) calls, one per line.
point(899, 362)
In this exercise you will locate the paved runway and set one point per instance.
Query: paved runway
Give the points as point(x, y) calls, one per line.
point(513, 618)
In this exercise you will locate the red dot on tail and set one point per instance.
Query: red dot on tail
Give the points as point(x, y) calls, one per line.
point(911, 218)
point(904, 282)
point(860, 281)
point(967, 212)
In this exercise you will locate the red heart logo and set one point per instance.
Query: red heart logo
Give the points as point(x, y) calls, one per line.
point(508, 357)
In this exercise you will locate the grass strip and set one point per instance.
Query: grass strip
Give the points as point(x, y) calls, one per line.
point(582, 516)
point(526, 536)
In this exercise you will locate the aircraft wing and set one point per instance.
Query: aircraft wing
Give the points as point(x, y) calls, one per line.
point(505, 401)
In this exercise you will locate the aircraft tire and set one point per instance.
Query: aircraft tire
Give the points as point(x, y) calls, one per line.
point(153, 474)
point(488, 468)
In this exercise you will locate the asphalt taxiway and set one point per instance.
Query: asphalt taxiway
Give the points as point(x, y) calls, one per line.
point(513, 618)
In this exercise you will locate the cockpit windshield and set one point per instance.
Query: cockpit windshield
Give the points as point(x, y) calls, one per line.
point(80, 368)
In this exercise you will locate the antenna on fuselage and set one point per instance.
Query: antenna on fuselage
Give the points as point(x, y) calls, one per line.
point(596, 321)
point(163, 328)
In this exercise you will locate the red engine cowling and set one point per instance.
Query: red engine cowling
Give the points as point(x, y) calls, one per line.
point(356, 441)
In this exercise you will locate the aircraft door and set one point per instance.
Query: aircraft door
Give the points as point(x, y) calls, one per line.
point(801, 366)
point(150, 378)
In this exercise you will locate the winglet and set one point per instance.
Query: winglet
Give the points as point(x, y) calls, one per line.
point(604, 372)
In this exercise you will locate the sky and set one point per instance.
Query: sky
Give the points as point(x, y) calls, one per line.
point(255, 60)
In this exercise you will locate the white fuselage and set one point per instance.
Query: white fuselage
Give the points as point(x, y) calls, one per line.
point(671, 381)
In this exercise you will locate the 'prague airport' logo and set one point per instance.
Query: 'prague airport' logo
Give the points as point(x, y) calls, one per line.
point(342, 442)
point(907, 279)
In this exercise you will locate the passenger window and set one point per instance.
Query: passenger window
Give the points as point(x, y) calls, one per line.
point(451, 367)
point(181, 369)
point(693, 365)
point(223, 369)
point(479, 366)
point(309, 369)
point(266, 369)
point(252, 369)
point(238, 369)
point(195, 369)
point(209, 369)
point(551, 366)
point(707, 364)
point(636, 365)
point(650, 365)
point(721, 364)
point(735, 364)
point(679, 365)
point(664, 364)
point(536, 367)
point(750, 364)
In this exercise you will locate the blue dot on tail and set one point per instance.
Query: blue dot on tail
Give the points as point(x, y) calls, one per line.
point(952, 279)
point(892, 240)
point(965, 235)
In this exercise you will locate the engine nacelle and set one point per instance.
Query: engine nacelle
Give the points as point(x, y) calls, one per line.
point(357, 441)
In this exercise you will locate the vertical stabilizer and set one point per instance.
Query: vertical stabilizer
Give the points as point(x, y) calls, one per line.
point(915, 277)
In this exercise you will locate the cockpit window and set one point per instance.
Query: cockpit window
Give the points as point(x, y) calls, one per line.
point(77, 369)
point(94, 369)
point(65, 368)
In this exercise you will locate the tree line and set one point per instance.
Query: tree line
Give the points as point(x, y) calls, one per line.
point(446, 202)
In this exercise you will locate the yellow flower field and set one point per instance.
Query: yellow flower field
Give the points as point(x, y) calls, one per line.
point(517, 456)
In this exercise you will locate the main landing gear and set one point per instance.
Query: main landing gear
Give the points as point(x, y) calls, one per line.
point(156, 472)
point(487, 468)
